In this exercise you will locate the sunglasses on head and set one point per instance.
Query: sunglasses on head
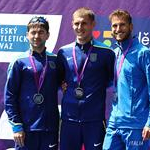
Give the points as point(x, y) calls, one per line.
point(38, 20)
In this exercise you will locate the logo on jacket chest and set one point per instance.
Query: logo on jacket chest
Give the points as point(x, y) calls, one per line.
point(93, 57)
point(52, 64)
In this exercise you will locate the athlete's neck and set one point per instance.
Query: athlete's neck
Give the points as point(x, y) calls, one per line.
point(82, 42)
point(38, 50)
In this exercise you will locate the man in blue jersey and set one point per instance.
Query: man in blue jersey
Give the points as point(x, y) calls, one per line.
point(31, 93)
point(129, 123)
point(86, 65)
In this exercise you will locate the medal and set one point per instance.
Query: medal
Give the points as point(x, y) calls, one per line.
point(78, 92)
point(38, 98)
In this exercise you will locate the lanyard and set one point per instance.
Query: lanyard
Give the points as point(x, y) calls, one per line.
point(79, 76)
point(117, 71)
point(38, 79)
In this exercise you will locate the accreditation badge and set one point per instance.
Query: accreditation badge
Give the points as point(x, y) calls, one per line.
point(38, 98)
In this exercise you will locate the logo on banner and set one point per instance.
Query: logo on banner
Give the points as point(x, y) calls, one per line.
point(13, 41)
point(13, 38)
point(105, 34)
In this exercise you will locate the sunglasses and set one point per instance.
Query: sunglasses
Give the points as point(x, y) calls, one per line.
point(38, 20)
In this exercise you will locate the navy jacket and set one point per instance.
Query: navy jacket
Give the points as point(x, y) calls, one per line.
point(20, 88)
point(98, 75)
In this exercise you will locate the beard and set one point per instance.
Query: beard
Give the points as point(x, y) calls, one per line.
point(122, 37)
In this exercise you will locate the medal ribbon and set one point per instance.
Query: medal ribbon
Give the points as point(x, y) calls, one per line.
point(117, 71)
point(79, 76)
point(39, 80)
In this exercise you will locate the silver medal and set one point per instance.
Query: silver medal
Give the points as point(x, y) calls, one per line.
point(38, 98)
point(79, 92)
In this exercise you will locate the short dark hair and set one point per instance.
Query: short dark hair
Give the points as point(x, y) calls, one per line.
point(121, 13)
point(38, 21)
point(84, 11)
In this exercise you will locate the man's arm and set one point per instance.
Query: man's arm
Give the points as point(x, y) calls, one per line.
point(11, 94)
point(146, 66)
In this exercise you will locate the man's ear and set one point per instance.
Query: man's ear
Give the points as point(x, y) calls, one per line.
point(131, 26)
point(94, 23)
point(48, 35)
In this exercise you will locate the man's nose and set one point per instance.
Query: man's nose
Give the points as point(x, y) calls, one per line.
point(36, 35)
point(80, 26)
point(118, 28)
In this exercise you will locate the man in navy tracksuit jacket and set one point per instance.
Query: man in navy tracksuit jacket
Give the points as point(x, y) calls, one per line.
point(86, 65)
point(31, 93)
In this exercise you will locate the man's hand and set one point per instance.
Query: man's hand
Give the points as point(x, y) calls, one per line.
point(19, 138)
point(146, 133)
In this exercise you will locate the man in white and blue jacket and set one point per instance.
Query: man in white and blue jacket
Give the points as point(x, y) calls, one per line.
point(129, 123)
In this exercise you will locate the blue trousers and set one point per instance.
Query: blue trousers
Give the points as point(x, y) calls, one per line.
point(124, 139)
point(39, 140)
point(74, 134)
